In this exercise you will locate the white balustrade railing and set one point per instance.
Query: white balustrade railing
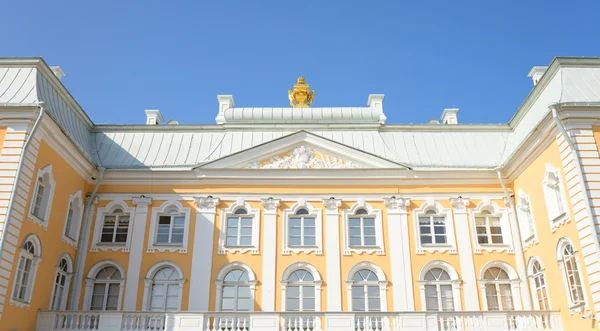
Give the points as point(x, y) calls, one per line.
point(295, 321)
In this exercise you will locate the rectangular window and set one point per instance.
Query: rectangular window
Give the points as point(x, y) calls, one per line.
point(23, 272)
point(115, 229)
point(362, 231)
point(69, 223)
point(432, 229)
point(302, 231)
point(239, 231)
point(39, 197)
point(170, 229)
point(489, 230)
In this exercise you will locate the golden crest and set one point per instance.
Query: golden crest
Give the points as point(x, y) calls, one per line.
point(301, 96)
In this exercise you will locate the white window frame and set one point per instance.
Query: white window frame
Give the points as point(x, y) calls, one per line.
point(45, 174)
point(446, 213)
point(514, 282)
point(62, 305)
point(318, 281)
point(378, 248)
point(534, 289)
point(573, 307)
point(382, 282)
point(495, 211)
point(225, 214)
point(76, 204)
point(221, 275)
point(312, 212)
point(153, 245)
point(90, 281)
point(526, 220)
point(454, 281)
point(100, 214)
point(36, 258)
point(554, 198)
point(149, 281)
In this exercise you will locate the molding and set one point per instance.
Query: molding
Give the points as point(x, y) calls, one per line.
point(227, 212)
point(396, 205)
point(206, 204)
point(99, 222)
point(153, 245)
point(46, 201)
point(313, 213)
point(496, 211)
point(556, 217)
point(378, 248)
point(446, 213)
point(526, 219)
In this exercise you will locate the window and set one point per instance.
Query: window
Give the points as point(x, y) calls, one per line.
point(569, 264)
point(491, 228)
point(363, 229)
point(240, 229)
point(303, 229)
point(169, 228)
point(526, 221)
point(498, 290)
point(113, 227)
point(41, 201)
point(440, 288)
point(538, 285)
point(434, 228)
point(106, 294)
point(555, 197)
point(366, 288)
point(73, 219)
point(61, 284)
point(236, 291)
point(301, 288)
point(29, 258)
point(165, 290)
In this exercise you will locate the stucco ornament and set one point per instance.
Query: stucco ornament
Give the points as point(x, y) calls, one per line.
point(303, 158)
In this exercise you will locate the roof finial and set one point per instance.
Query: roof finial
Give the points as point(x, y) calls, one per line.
point(301, 96)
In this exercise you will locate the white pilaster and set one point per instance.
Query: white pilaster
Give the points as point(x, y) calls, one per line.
point(136, 251)
point(269, 238)
point(332, 254)
point(202, 253)
point(402, 282)
point(465, 253)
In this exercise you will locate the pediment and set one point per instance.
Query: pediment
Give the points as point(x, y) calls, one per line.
point(302, 151)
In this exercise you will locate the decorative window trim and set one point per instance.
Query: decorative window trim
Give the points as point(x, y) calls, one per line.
point(496, 211)
point(555, 220)
point(316, 213)
point(533, 288)
point(573, 308)
point(378, 248)
point(454, 280)
point(149, 281)
point(382, 283)
point(526, 220)
point(63, 303)
point(515, 282)
point(43, 222)
point(318, 281)
point(155, 246)
point(225, 213)
point(224, 271)
point(36, 260)
point(450, 245)
point(91, 280)
point(102, 211)
point(76, 218)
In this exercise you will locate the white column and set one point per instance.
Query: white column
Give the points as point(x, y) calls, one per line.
point(519, 257)
point(402, 282)
point(86, 233)
point(465, 253)
point(332, 254)
point(202, 254)
point(136, 251)
point(269, 238)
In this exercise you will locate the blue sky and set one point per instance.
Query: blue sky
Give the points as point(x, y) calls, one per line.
point(122, 57)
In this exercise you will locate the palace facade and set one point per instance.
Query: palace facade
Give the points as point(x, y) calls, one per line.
point(300, 218)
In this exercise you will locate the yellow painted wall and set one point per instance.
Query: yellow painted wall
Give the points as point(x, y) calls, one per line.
point(530, 181)
point(67, 183)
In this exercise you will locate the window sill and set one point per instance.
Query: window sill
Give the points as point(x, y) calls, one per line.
point(302, 249)
point(240, 249)
point(38, 221)
point(165, 247)
point(364, 249)
point(493, 248)
point(577, 308)
point(18, 303)
point(71, 242)
point(556, 222)
point(442, 248)
point(110, 246)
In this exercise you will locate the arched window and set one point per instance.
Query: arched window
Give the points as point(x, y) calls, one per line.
point(62, 280)
point(29, 257)
point(41, 201)
point(498, 291)
point(366, 288)
point(169, 228)
point(104, 286)
point(555, 196)
point(73, 219)
point(239, 229)
point(300, 292)
point(539, 288)
point(438, 290)
point(525, 217)
point(302, 229)
point(236, 291)
point(165, 290)
point(569, 264)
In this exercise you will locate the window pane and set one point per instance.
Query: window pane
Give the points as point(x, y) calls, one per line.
point(231, 241)
point(308, 304)
point(292, 304)
point(369, 231)
point(369, 221)
point(426, 239)
point(246, 221)
point(370, 241)
point(309, 241)
point(354, 241)
point(295, 221)
point(232, 222)
point(164, 220)
point(354, 222)
point(295, 241)
point(245, 241)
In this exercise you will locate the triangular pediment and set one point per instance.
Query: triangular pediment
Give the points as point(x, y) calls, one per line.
point(302, 150)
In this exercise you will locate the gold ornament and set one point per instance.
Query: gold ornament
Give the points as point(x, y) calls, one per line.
point(301, 96)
